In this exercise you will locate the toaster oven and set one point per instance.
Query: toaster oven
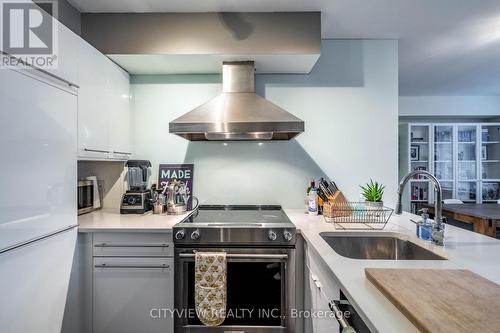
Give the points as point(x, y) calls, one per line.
point(85, 196)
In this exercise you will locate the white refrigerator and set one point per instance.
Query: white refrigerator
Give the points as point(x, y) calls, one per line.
point(38, 214)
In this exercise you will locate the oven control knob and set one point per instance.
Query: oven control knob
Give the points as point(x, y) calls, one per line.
point(287, 235)
point(195, 234)
point(271, 235)
point(179, 234)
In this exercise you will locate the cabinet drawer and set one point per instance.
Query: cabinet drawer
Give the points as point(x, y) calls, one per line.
point(133, 245)
point(130, 293)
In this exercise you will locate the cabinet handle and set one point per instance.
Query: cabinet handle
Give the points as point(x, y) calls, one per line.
point(163, 266)
point(36, 239)
point(121, 152)
point(44, 72)
point(131, 245)
point(96, 150)
point(316, 281)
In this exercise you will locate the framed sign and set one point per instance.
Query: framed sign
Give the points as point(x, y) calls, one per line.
point(414, 153)
point(181, 172)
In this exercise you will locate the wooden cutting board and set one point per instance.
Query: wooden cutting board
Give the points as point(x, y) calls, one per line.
point(441, 300)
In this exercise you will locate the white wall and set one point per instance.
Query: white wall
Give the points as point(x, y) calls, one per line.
point(424, 106)
point(349, 103)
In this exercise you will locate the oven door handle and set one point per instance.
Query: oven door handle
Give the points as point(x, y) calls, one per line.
point(243, 256)
point(162, 266)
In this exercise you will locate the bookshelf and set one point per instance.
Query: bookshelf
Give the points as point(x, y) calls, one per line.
point(419, 159)
point(464, 157)
point(490, 162)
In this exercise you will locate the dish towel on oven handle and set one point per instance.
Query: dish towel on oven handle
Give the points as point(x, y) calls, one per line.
point(210, 287)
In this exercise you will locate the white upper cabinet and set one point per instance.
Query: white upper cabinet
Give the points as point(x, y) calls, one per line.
point(103, 107)
point(67, 55)
point(119, 113)
point(103, 95)
point(61, 62)
point(93, 115)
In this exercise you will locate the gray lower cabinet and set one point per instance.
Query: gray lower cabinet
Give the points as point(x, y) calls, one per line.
point(132, 295)
point(121, 282)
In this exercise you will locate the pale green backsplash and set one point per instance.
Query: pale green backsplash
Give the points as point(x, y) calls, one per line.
point(349, 103)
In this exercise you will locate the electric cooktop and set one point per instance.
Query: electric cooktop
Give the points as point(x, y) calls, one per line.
point(236, 223)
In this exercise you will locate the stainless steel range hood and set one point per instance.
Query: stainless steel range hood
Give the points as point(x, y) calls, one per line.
point(237, 114)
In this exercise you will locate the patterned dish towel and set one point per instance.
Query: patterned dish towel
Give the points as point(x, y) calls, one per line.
point(210, 287)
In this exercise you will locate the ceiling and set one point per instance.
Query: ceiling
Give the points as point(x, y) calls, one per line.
point(446, 47)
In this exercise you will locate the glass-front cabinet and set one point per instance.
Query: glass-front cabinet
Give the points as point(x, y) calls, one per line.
point(490, 162)
point(467, 163)
point(464, 157)
point(443, 153)
point(444, 167)
point(467, 191)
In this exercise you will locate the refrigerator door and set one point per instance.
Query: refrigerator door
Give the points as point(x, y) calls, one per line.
point(34, 284)
point(38, 143)
point(38, 128)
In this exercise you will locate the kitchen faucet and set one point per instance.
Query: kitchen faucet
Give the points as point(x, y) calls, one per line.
point(438, 225)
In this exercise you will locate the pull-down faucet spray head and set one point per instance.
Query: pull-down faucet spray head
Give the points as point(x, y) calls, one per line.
point(438, 226)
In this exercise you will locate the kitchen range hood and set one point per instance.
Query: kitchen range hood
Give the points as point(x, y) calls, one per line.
point(237, 114)
point(198, 43)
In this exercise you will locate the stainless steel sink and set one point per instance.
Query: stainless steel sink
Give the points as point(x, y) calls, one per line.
point(377, 248)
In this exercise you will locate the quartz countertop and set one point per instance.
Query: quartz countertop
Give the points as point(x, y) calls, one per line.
point(105, 220)
point(463, 249)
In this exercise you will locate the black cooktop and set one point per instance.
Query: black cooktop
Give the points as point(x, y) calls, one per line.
point(235, 226)
point(226, 215)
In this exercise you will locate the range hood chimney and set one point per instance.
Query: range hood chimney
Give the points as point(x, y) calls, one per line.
point(237, 114)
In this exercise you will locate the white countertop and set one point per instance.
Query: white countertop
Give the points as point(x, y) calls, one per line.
point(463, 249)
point(105, 220)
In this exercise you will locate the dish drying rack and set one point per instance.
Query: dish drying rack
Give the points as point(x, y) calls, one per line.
point(355, 215)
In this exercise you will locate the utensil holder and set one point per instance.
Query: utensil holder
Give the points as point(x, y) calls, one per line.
point(158, 207)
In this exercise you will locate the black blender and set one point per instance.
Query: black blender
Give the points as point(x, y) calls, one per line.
point(137, 198)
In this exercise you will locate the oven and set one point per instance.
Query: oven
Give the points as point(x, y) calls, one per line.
point(260, 290)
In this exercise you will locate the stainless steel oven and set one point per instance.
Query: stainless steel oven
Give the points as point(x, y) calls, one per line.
point(260, 245)
point(260, 290)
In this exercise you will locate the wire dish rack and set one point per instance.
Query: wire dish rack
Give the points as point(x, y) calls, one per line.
point(357, 215)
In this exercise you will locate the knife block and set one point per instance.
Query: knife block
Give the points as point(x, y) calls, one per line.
point(337, 206)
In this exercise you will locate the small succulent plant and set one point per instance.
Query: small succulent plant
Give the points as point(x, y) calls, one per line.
point(372, 191)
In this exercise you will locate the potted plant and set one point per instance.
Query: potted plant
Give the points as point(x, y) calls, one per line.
point(373, 192)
